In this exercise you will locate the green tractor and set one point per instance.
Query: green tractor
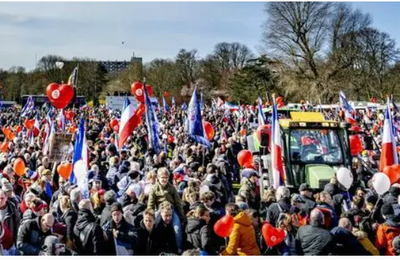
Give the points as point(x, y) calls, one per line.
point(312, 150)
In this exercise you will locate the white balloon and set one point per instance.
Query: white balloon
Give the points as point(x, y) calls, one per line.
point(381, 183)
point(344, 177)
point(60, 64)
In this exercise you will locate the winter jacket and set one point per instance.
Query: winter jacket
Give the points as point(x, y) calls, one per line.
point(386, 233)
point(147, 242)
point(314, 240)
point(69, 218)
point(308, 205)
point(159, 194)
point(31, 237)
point(199, 236)
point(89, 235)
point(165, 236)
point(126, 236)
point(275, 209)
point(28, 215)
point(365, 242)
point(347, 243)
point(12, 219)
point(242, 240)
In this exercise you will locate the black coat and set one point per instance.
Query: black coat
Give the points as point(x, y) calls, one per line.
point(199, 236)
point(275, 209)
point(69, 218)
point(89, 235)
point(347, 243)
point(314, 240)
point(31, 237)
point(308, 205)
point(126, 235)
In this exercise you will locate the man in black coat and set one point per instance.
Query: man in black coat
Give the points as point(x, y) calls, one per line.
point(9, 214)
point(147, 238)
point(312, 239)
point(32, 234)
point(89, 235)
point(118, 229)
point(306, 196)
point(282, 205)
point(346, 242)
point(109, 198)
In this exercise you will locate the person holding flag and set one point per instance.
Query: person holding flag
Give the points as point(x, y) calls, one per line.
point(348, 109)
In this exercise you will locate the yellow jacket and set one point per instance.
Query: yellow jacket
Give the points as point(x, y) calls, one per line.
point(242, 240)
point(365, 242)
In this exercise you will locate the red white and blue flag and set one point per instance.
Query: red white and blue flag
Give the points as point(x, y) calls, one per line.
point(36, 126)
point(129, 121)
point(348, 109)
point(79, 174)
point(276, 150)
point(389, 152)
point(29, 107)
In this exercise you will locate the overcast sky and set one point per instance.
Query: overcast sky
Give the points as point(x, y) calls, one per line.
point(151, 30)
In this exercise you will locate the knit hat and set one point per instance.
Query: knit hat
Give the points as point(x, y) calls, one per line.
point(109, 197)
point(116, 207)
point(39, 206)
point(7, 187)
point(60, 229)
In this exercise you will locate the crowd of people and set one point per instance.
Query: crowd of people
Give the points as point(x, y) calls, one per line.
point(143, 203)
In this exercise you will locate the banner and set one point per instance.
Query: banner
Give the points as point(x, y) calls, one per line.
point(59, 147)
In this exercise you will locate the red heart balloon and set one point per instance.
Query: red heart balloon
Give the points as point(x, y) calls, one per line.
point(137, 91)
point(272, 236)
point(60, 96)
point(209, 129)
point(245, 157)
point(29, 123)
point(224, 226)
point(69, 115)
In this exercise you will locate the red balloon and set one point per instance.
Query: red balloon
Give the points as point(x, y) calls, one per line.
point(209, 129)
point(245, 157)
point(29, 123)
point(166, 94)
point(272, 236)
point(355, 145)
point(114, 123)
point(264, 130)
point(355, 128)
point(137, 91)
point(279, 100)
point(69, 115)
point(60, 95)
point(170, 139)
point(224, 226)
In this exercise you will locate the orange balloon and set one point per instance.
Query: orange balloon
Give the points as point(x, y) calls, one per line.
point(393, 172)
point(11, 136)
point(243, 132)
point(209, 129)
point(19, 167)
point(72, 129)
point(18, 129)
point(6, 132)
point(65, 170)
point(4, 147)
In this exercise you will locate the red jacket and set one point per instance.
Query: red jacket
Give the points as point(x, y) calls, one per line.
point(6, 238)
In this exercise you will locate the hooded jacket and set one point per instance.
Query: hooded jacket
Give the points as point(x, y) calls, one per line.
point(199, 236)
point(386, 233)
point(69, 218)
point(147, 242)
point(242, 240)
point(89, 235)
point(31, 237)
point(248, 190)
point(347, 243)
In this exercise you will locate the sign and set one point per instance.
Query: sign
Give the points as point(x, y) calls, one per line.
point(59, 147)
point(117, 102)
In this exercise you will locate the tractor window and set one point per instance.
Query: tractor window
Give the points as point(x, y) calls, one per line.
point(315, 146)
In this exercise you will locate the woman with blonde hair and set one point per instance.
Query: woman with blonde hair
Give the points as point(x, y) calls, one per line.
point(68, 217)
point(289, 223)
